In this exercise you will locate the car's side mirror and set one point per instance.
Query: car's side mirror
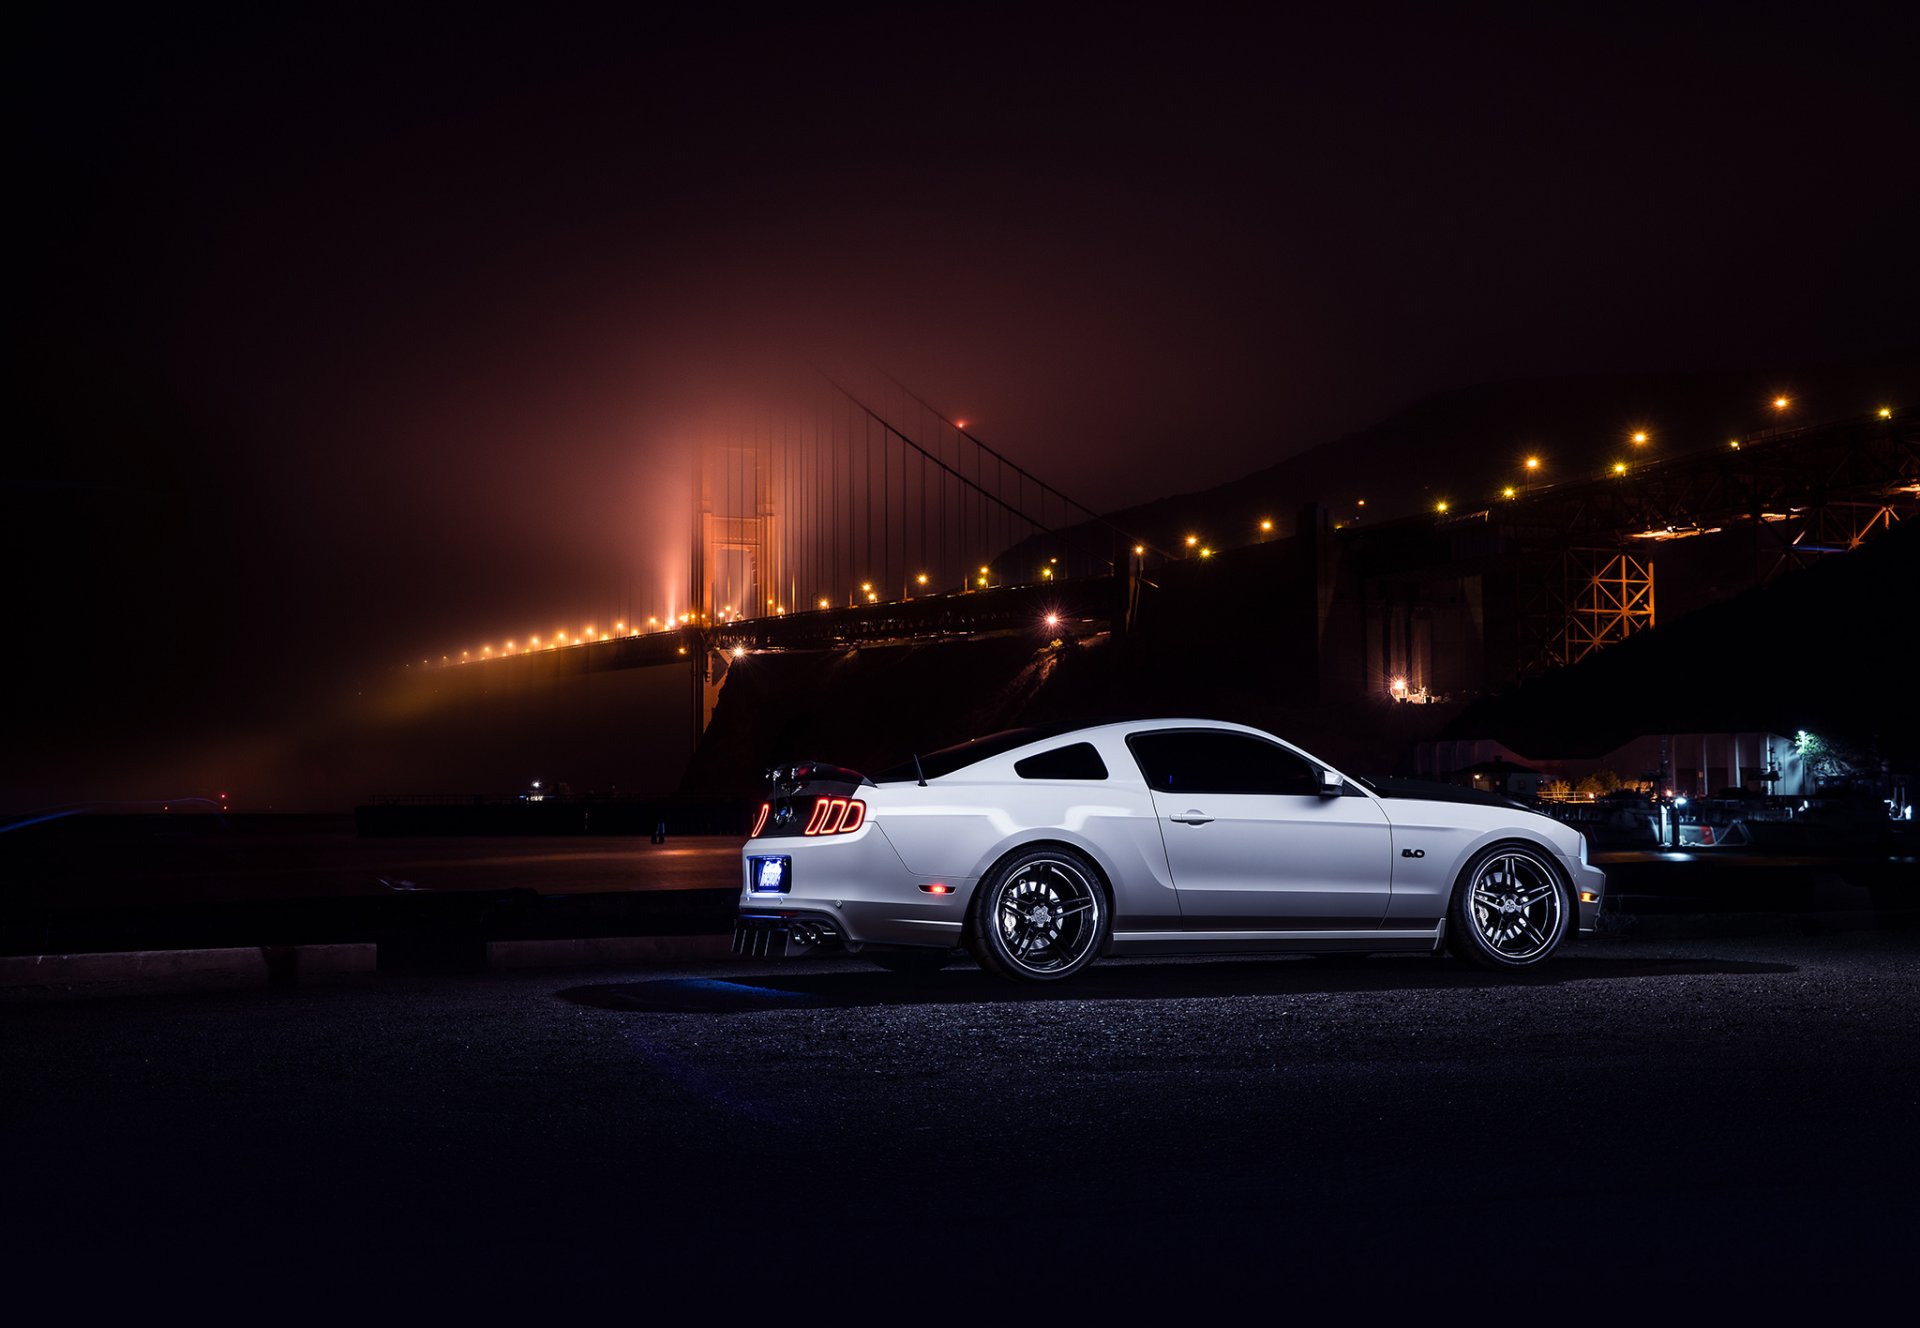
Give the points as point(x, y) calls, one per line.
point(1332, 785)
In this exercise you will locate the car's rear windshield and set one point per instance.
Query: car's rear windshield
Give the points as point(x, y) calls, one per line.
point(963, 754)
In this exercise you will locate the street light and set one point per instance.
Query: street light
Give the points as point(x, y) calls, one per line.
point(1639, 437)
point(1441, 507)
point(1886, 412)
point(1619, 467)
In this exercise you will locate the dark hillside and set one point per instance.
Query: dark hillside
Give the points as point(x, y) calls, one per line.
point(1834, 649)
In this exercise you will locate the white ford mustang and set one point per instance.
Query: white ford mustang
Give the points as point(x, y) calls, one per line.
point(1039, 850)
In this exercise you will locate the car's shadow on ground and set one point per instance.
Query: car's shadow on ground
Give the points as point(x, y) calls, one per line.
point(756, 987)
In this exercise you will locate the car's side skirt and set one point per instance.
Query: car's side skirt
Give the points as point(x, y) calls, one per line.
point(1264, 942)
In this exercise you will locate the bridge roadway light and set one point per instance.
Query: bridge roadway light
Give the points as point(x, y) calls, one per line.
point(1619, 467)
point(1886, 412)
point(1053, 620)
point(1192, 541)
point(1782, 401)
point(1639, 437)
point(823, 602)
point(1507, 492)
point(1441, 506)
point(1266, 525)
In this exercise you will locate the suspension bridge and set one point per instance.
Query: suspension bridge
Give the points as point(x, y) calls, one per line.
point(852, 519)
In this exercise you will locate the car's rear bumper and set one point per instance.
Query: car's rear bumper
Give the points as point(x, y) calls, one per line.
point(845, 893)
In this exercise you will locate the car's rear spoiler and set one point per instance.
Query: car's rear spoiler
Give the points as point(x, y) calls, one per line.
point(790, 778)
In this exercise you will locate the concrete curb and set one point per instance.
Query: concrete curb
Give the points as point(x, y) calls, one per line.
point(26, 978)
point(588, 951)
point(139, 972)
point(1726, 926)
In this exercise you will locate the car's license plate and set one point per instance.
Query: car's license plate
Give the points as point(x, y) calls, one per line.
point(772, 875)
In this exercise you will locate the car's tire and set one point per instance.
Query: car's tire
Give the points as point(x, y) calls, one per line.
point(911, 963)
point(1511, 908)
point(1039, 917)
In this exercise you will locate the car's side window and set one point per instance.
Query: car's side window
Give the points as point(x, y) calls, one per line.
point(1078, 761)
point(1210, 761)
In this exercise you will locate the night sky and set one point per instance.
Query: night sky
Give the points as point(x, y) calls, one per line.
point(342, 333)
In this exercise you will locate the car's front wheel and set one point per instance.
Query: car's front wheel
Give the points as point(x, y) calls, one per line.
point(1040, 917)
point(1510, 908)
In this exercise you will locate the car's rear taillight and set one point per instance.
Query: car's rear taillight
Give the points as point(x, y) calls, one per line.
point(760, 820)
point(836, 816)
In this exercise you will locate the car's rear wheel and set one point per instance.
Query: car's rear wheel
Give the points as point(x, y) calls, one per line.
point(1510, 908)
point(910, 961)
point(1040, 917)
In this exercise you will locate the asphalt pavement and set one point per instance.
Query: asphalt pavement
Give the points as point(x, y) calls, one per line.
point(1725, 1124)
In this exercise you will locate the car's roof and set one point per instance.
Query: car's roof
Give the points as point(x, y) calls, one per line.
point(1053, 737)
point(1126, 726)
point(1013, 744)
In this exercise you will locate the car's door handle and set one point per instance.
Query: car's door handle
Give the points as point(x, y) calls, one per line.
point(1190, 817)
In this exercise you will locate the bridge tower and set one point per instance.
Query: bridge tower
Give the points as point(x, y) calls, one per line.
point(737, 540)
